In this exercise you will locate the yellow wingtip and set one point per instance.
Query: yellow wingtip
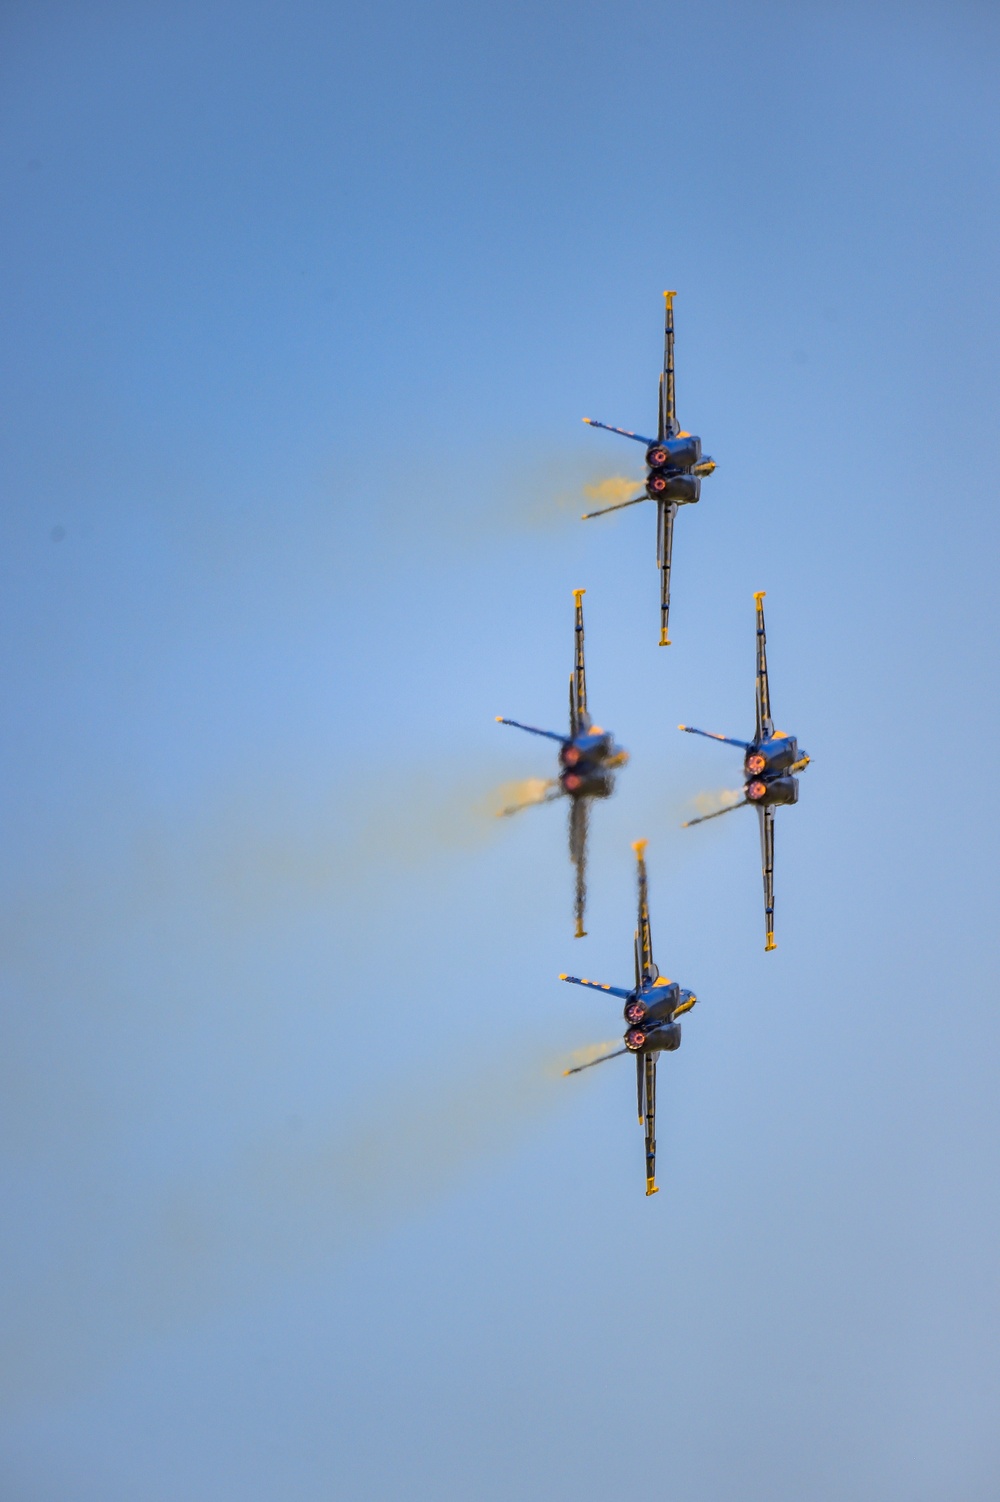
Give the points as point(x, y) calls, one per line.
point(759, 594)
point(578, 592)
point(664, 638)
point(564, 977)
point(585, 419)
point(498, 718)
point(670, 295)
point(639, 847)
point(770, 942)
point(651, 1188)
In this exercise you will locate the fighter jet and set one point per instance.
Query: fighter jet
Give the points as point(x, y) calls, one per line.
point(676, 469)
point(588, 758)
point(652, 1009)
point(770, 763)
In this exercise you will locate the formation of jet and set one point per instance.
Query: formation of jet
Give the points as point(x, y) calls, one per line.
point(653, 1007)
point(770, 762)
point(675, 464)
point(588, 760)
point(589, 757)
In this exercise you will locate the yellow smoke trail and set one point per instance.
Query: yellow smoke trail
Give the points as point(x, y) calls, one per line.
point(522, 793)
point(541, 497)
point(587, 1055)
point(614, 488)
point(285, 1203)
point(714, 802)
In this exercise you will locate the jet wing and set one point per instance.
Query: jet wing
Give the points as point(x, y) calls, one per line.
point(765, 725)
point(668, 426)
point(579, 816)
point(665, 513)
point(648, 1064)
point(644, 937)
point(580, 716)
point(766, 817)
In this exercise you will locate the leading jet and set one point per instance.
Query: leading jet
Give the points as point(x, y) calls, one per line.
point(770, 763)
point(588, 759)
point(676, 468)
point(652, 1009)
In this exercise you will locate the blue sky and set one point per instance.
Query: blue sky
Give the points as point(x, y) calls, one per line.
point(301, 308)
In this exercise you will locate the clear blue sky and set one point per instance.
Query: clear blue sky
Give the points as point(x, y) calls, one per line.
point(301, 308)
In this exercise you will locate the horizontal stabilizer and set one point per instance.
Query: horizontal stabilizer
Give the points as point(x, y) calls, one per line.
point(596, 985)
point(624, 432)
point(552, 735)
point(717, 815)
point(602, 1060)
point(554, 792)
point(618, 506)
point(727, 740)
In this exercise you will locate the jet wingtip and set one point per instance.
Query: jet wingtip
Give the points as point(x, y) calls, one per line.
point(651, 1188)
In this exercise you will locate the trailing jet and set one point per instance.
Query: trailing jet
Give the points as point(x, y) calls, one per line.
point(652, 1009)
point(676, 469)
point(770, 763)
point(588, 758)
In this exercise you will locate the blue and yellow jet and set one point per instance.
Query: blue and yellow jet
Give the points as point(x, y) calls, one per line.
point(652, 1009)
point(770, 763)
point(675, 464)
point(588, 758)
